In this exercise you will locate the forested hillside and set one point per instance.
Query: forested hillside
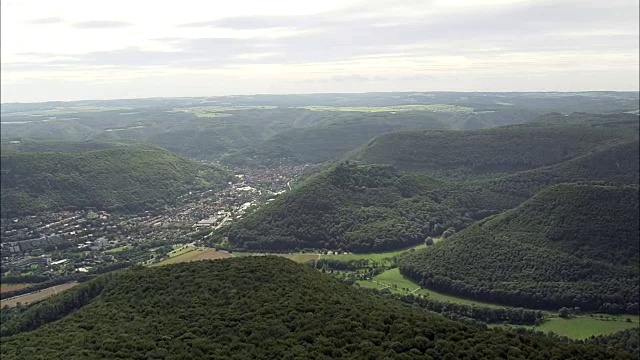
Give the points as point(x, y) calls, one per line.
point(363, 209)
point(491, 153)
point(128, 176)
point(252, 308)
point(570, 245)
point(615, 164)
point(333, 136)
point(366, 208)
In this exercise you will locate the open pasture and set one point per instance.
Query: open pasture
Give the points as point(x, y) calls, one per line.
point(393, 277)
point(427, 107)
point(583, 327)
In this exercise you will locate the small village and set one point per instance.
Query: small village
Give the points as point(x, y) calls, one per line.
point(66, 242)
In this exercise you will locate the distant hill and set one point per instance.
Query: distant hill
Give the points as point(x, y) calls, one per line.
point(274, 129)
point(333, 137)
point(362, 209)
point(252, 308)
point(337, 134)
point(491, 153)
point(617, 164)
point(570, 245)
point(125, 176)
point(366, 208)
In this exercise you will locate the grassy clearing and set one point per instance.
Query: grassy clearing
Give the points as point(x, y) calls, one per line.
point(432, 107)
point(393, 277)
point(12, 287)
point(372, 256)
point(370, 284)
point(117, 249)
point(217, 111)
point(375, 256)
point(297, 257)
point(301, 257)
point(304, 257)
point(582, 327)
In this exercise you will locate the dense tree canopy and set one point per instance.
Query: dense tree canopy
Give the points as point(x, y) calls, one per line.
point(366, 208)
point(490, 153)
point(125, 176)
point(570, 245)
point(252, 308)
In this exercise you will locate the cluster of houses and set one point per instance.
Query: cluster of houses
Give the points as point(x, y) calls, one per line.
point(32, 240)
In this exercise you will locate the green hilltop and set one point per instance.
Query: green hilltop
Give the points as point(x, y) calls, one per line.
point(372, 208)
point(330, 137)
point(125, 176)
point(570, 245)
point(490, 153)
point(252, 308)
point(362, 208)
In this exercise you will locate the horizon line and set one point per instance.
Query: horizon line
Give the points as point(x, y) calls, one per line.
point(323, 93)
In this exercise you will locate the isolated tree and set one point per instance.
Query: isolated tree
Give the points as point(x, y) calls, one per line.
point(428, 241)
point(564, 313)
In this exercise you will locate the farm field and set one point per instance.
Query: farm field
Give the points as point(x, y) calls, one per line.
point(432, 107)
point(194, 255)
point(63, 110)
point(12, 287)
point(583, 327)
point(36, 296)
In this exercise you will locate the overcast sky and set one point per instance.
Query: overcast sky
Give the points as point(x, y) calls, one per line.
point(78, 49)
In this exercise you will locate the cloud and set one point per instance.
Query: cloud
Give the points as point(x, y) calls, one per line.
point(46, 21)
point(101, 25)
point(259, 22)
point(364, 44)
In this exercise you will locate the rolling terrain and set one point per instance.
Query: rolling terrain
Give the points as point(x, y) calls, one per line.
point(568, 246)
point(270, 129)
point(369, 208)
point(334, 135)
point(127, 176)
point(252, 307)
point(496, 152)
